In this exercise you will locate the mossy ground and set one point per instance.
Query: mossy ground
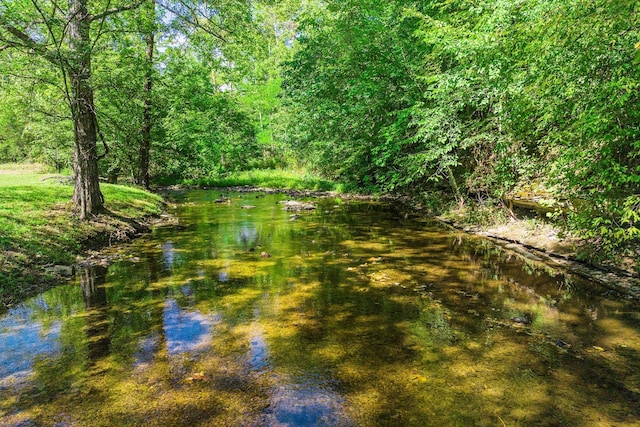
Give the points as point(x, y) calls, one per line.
point(38, 227)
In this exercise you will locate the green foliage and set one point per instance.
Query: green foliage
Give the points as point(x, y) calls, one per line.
point(347, 89)
point(206, 130)
point(119, 80)
point(34, 122)
point(477, 97)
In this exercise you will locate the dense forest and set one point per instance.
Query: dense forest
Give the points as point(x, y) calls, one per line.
point(472, 100)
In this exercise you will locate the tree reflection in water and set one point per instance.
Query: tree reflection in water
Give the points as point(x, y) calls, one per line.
point(358, 318)
point(94, 296)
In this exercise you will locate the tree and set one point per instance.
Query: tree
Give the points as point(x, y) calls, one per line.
point(347, 91)
point(34, 119)
point(145, 143)
point(63, 36)
point(134, 87)
point(206, 132)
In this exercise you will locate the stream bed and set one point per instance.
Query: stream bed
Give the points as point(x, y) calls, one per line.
point(346, 315)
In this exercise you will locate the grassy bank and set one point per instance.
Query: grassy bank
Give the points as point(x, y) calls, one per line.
point(38, 229)
point(269, 178)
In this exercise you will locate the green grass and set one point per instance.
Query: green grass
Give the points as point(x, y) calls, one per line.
point(18, 174)
point(270, 178)
point(38, 228)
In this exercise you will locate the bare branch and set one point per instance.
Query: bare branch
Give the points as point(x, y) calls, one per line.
point(95, 41)
point(104, 143)
point(115, 10)
point(50, 114)
point(56, 7)
point(37, 80)
point(54, 10)
point(47, 22)
point(193, 20)
point(100, 135)
point(8, 45)
point(194, 13)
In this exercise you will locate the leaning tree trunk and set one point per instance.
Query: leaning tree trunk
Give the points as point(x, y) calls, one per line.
point(86, 193)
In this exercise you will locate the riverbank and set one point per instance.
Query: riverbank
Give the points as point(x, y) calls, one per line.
point(531, 237)
point(540, 240)
point(40, 237)
point(528, 236)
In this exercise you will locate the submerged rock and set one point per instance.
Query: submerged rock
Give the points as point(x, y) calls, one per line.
point(294, 206)
point(61, 270)
point(520, 320)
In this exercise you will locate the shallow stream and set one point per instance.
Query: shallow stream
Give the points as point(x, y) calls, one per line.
point(350, 315)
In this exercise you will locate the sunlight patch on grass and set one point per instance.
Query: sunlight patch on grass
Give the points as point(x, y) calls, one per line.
point(270, 178)
point(38, 227)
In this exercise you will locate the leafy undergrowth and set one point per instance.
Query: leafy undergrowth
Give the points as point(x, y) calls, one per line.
point(270, 178)
point(39, 229)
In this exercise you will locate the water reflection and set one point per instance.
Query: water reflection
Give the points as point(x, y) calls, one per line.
point(186, 330)
point(247, 234)
point(258, 353)
point(306, 403)
point(21, 341)
point(94, 295)
point(359, 317)
point(168, 255)
point(147, 348)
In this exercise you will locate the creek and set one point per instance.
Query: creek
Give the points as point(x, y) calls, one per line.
point(350, 315)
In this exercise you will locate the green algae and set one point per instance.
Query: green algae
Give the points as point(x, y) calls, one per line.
point(358, 317)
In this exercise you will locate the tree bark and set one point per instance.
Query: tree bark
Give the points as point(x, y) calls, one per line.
point(454, 187)
point(145, 144)
point(86, 193)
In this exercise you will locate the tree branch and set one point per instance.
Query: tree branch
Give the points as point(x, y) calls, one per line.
point(52, 115)
point(28, 42)
point(104, 142)
point(36, 79)
point(192, 21)
point(47, 23)
point(95, 41)
point(115, 10)
point(7, 46)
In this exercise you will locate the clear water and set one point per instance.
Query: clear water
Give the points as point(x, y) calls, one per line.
point(358, 317)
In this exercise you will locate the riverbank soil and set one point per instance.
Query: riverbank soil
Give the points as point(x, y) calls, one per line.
point(41, 237)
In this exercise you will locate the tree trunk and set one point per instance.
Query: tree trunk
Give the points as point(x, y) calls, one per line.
point(145, 144)
point(86, 193)
point(455, 188)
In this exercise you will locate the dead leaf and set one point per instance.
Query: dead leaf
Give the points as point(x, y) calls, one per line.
point(198, 376)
